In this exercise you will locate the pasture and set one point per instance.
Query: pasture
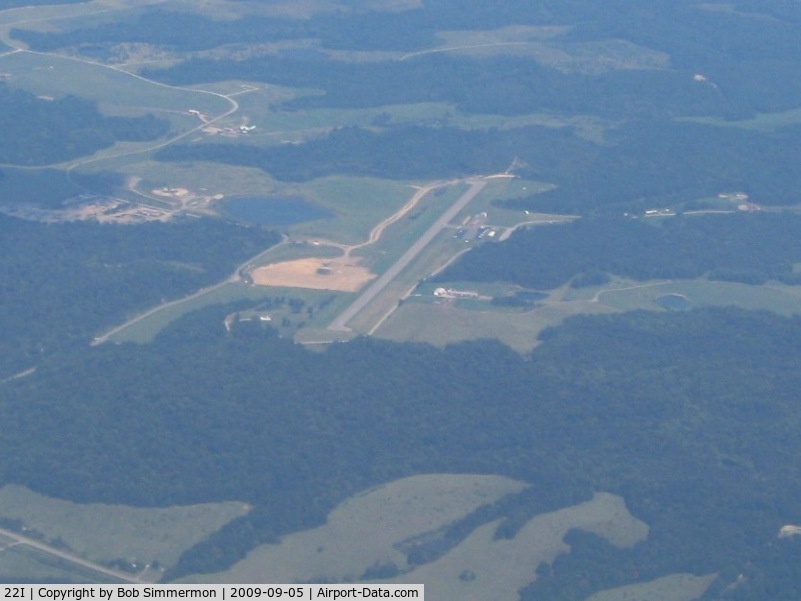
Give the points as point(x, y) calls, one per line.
point(358, 204)
point(676, 587)
point(369, 529)
point(626, 295)
point(21, 563)
point(425, 318)
point(486, 567)
point(104, 533)
point(442, 323)
point(366, 529)
point(111, 88)
point(146, 329)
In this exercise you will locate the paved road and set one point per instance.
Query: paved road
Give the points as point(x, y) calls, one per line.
point(340, 323)
point(235, 277)
point(19, 539)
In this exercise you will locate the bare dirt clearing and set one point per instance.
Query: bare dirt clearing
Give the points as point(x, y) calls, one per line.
point(342, 274)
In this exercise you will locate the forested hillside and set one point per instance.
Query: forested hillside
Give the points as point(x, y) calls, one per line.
point(39, 132)
point(744, 57)
point(673, 411)
point(749, 248)
point(64, 284)
point(642, 164)
point(613, 107)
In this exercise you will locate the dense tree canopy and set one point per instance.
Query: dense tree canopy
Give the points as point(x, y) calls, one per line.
point(40, 132)
point(63, 284)
point(673, 411)
point(749, 248)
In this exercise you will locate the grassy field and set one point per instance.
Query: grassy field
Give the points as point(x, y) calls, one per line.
point(483, 567)
point(358, 204)
point(48, 17)
point(443, 323)
point(146, 329)
point(366, 529)
point(676, 587)
point(204, 178)
point(437, 254)
point(21, 563)
point(423, 318)
point(625, 295)
point(320, 307)
point(60, 76)
point(277, 126)
point(503, 189)
point(103, 533)
point(762, 122)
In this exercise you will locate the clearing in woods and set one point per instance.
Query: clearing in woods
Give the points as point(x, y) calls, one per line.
point(377, 529)
point(103, 533)
point(342, 273)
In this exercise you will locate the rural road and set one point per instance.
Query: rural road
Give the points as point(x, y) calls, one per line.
point(19, 539)
point(340, 323)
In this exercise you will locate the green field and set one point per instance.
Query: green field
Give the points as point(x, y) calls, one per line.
point(275, 126)
point(432, 258)
point(762, 122)
point(39, 17)
point(21, 563)
point(366, 530)
point(424, 318)
point(442, 323)
point(624, 295)
point(676, 587)
point(146, 329)
point(486, 567)
point(56, 76)
point(319, 308)
point(358, 204)
point(105, 533)
point(204, 178)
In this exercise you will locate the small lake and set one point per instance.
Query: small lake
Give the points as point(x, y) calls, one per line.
point(274, 210)
point(674, 302)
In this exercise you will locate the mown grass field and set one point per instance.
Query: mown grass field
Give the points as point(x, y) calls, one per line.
point(443, 323)
point(358, 204)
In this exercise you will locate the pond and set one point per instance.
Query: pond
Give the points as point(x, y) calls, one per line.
point(674, 302)
point(274, 210)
